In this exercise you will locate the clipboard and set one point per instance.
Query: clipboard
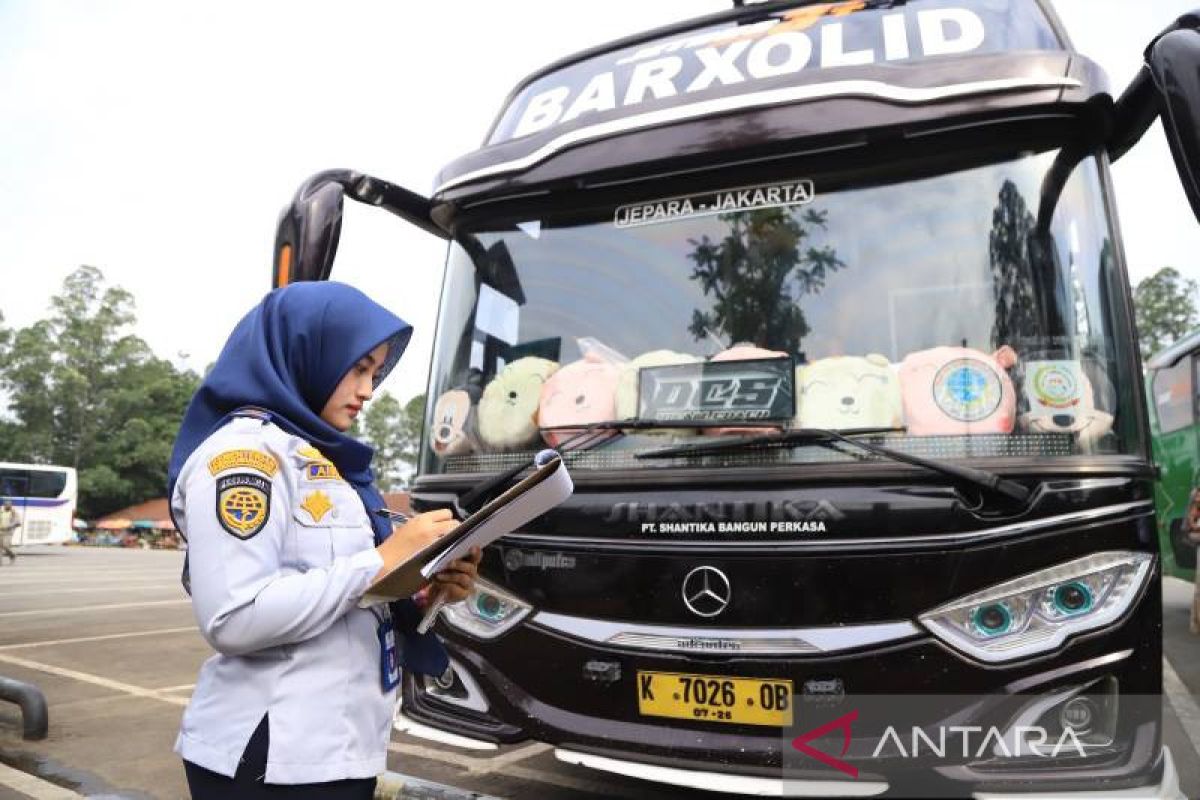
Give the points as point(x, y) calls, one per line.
point(531, 497)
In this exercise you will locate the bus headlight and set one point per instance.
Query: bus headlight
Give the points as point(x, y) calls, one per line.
point(1037, 612)
point(487, 612)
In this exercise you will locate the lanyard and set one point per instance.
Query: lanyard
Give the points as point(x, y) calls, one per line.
point(389, 661)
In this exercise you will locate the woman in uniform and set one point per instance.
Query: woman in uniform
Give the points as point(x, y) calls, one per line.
point(284, 536)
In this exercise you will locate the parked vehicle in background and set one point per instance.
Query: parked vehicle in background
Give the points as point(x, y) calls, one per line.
point(1173, 386)
point(44, 498)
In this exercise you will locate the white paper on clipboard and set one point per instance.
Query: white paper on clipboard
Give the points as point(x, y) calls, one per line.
point(528, 507)
point(531, 497)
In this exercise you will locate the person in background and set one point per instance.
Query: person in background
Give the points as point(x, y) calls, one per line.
point(1191, 527)
point(9, 522)
point(280, 512)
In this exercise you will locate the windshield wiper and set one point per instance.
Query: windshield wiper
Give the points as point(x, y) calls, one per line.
point(589, 436)
point(826, 438)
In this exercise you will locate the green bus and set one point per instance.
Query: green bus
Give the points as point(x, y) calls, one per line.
point(1171, 381)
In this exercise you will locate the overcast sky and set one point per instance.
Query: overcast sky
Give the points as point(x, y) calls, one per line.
point(159, 140)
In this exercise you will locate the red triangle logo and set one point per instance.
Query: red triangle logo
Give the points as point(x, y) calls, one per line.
point(843, 723)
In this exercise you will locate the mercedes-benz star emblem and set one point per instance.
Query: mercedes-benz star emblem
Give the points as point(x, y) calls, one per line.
point(706, 591)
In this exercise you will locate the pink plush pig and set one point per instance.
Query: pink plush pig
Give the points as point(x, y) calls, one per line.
point(743, 352)
point(581, 392)
point(746, 352)
point(957, 390)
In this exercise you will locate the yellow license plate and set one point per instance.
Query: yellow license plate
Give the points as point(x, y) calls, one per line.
point(748, 701)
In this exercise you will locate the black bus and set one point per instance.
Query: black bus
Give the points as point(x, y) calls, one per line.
point(825, 305)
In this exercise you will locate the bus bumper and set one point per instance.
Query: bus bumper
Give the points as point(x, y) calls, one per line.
point(1167, 787)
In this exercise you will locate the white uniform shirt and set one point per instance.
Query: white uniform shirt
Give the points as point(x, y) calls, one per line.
point(276, 598)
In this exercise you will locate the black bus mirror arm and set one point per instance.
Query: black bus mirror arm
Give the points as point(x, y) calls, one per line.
point(404, 203)
point(309, 228)
point(1133, 114)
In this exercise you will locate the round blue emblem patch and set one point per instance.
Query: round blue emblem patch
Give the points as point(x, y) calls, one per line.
point(967, 390)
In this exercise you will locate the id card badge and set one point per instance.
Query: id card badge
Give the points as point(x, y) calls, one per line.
point(389, 660)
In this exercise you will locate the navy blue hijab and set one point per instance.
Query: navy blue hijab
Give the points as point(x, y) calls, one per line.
point(286, 357)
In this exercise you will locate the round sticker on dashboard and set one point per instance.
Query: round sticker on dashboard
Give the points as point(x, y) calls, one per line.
point(1054, 386)
point(967, 390)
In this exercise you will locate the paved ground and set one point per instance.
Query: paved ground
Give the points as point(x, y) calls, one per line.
point(108, 636)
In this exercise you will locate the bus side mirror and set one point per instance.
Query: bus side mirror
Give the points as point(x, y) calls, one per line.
point(1174, 62)
point(306, 237)
point(1168, 86)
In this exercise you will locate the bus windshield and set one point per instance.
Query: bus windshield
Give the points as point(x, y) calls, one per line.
point(962, 310)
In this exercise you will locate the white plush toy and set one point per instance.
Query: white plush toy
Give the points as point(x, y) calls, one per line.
point(627, 384)
point(1061, 400)
point(849, 392)
point(509, 406)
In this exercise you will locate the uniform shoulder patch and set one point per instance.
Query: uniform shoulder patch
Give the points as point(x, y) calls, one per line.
point(243, 503)
point(253, 459)
point(321, 471)
point(317, 504)
point(317, 467)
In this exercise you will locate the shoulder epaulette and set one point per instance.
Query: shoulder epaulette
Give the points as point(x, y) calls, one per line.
point(253, 412)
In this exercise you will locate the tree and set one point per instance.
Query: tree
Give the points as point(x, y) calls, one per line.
point(27, 381)
point(757, 275)
point(94, 353)
point(1164, 309)
point(412, 423)
point(1013, 281)
point(5, 342)
point(85, 392)
point(144, 412)
point(395, 433)
point(10, 431)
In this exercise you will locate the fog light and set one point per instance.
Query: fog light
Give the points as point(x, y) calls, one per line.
point(445, 681)
point(1078, 714)
point(456, 687)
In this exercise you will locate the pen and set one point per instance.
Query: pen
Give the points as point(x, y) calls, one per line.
point(394, 516)
point(431, 613)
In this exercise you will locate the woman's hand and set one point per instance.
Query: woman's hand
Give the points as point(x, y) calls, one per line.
point(455, 582)
point(413, 536)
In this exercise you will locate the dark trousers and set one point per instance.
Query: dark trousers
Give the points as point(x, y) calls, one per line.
point(247, 783)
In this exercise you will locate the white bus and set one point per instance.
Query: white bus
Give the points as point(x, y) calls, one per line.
point(43, 496)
